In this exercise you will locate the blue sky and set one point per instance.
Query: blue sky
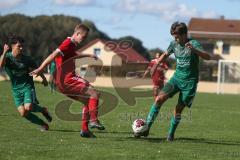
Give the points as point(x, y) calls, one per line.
point(148, 20)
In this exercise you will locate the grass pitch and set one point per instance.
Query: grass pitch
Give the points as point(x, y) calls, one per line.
point(210, 130)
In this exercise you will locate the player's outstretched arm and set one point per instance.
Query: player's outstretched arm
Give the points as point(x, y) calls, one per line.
point(39, 70)
point(200, 53)
point(161, 59)
point(3, 56)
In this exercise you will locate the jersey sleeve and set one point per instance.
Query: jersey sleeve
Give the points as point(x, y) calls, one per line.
point(170, 49)
point(197, 45)
point(64, 48)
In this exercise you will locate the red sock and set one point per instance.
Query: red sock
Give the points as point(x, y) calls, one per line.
point(93, 109)
point(85, 118)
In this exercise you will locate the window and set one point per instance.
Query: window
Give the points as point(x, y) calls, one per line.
point(97, 51)
point(208, 47)
point(226, 49)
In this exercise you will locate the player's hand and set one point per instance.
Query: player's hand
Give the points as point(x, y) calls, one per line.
point(45, 82)
point(189, 45)
point(35, 72)
point(5, 48)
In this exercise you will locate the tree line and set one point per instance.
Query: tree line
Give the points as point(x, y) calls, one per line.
point(43, 34)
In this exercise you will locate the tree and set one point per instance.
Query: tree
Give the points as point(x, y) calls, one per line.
point(44, 33)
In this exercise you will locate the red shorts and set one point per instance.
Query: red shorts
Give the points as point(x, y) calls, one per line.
point(74, 87)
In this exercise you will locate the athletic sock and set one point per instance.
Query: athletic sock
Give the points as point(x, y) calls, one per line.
point(152, 115)
point(93, 109)
point(34, 119)
point(175, 120)
point(37, 108)
point(85, 118)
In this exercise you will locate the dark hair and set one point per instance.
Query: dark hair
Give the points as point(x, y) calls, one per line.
point(178, 28)
point(81, 27)
point(15, 39)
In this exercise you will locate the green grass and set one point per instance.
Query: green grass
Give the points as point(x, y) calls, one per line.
point(210, 130)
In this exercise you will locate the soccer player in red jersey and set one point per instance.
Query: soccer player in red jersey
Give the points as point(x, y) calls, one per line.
point(73, 86)
point(158, 76)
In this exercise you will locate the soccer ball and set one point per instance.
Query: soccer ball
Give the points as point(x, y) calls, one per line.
point(139, 126)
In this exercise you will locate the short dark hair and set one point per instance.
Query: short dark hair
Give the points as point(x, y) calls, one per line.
point(178, 28)
point(81, 27)
point(14, 39)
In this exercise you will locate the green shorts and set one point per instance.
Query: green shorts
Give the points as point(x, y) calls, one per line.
point(186, 88)
point(24, 96)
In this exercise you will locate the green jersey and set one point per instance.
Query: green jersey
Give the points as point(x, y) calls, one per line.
point(187, 62)
point(18, 71)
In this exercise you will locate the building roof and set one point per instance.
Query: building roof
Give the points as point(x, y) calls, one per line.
point(214, 28)
point(128, 55)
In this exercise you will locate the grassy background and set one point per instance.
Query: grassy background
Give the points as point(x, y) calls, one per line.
point(210, 130)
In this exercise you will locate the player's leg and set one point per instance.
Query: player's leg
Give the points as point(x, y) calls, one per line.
point(175, 120)
point(36, 107)
point(79, 89)
point(28, 106)
point(93, 108)
point(22, 111)
point(168, 90)
point(159, 100)
point(85, 116)
point(155, 91)
point(85, 121)
point(186, 96)
point(29, 116)
point(154, 110)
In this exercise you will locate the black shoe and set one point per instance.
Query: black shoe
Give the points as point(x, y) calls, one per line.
point(170, 137)
point(97, 125)
point(87, 134)
point(47, 115)
point(44, 128)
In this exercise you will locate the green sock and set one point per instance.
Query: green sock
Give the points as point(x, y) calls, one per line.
point(152, 115)
point(37, 108)
point(175, 120)
point(34, 119)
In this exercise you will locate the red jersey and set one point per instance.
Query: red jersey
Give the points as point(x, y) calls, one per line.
point(65, 63)
point(158, 75)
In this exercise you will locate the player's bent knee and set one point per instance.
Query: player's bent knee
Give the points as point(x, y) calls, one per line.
point(28, 107)
point(23, 112)
point(161, 98)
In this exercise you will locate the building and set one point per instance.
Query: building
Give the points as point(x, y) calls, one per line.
point(114, 59)
point(218, 36)
point(221, 37)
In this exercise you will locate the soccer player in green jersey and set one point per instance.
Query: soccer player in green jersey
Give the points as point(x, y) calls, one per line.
point(185, 79)
point(52, 69)
point(18, 66)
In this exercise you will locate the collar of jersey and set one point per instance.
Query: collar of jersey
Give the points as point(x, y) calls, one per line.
point(72, 40)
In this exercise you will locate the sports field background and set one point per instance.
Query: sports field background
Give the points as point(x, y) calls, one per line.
point(210, 130)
